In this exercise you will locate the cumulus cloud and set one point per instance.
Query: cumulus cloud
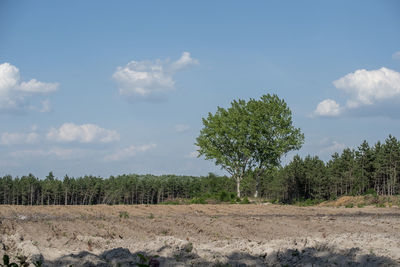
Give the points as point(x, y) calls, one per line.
point(181, 128)
point(396, 55)
point(18, 138)
point(328, 107)
point(368, 87)
point(129, 152)
point(150, 79)
point(85, 133)
point(364, 88)
point(14, 93)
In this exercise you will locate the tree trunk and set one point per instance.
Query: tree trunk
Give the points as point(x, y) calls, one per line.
point(257, 185)
point(238, 186)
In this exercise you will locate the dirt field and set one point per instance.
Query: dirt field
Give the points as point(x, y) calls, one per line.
point(203, 235)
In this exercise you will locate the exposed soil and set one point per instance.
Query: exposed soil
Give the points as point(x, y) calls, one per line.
point(202, 235)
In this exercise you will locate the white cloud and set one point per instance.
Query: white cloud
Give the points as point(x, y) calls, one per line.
point(181, 128)
point(364, 88)
point(129, 152)
point(52, 152)
point(14, 93)
point(330, 147)
point(367, 87)
point(18, 138)
point(328, 107)
point(147, 79)
point(183, 62)
point(193, 154)
point(85, 133)
point(396, 55)
point(45, 106)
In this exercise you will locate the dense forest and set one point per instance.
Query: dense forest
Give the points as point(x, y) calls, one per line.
point(352, 172)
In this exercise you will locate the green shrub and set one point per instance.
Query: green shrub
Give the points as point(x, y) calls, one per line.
point(349, 205)
point(224, 196)
point(198, 200)
point(371, 191)
point(245, 200)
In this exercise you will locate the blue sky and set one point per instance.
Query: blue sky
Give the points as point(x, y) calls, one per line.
point(112, 87)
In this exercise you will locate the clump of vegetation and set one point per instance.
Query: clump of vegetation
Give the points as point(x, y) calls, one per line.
point(124, 214)
point(198, 200)
point(22, 262)
point(349, 205)
point(371, 191)
point(148, 261)
point(188, 247)
point(245, 200)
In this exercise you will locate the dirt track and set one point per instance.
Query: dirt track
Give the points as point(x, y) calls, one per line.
point(203, 235)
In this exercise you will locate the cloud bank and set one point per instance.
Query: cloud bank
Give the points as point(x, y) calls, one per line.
point(18, 138)
point(364, 88)
point(150, 79)
point(16, 94)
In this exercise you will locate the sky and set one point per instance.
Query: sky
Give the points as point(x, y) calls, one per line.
point(111, 87)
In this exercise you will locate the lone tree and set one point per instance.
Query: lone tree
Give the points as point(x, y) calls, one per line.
point(249, 136)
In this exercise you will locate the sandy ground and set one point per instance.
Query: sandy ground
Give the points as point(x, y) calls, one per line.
point(202, 235)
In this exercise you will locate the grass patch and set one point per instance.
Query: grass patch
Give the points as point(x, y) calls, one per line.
point(124, 214)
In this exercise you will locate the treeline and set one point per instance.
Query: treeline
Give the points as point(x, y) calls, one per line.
point(358, 171)
point(123, 189)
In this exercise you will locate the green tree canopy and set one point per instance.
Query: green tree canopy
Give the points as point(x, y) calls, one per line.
point(249, 136)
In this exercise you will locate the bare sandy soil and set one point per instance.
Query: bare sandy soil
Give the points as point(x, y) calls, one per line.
point(202, 235)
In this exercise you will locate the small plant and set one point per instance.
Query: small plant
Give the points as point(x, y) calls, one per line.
point(124, 214)
point(189, 247)
point(245, 200)
point(151, 216)
point(360, 205)
point(7, 263)
point(295, 253)
point(164, 232)
point(90, 244)
point(380, 205)
point(349, 205)
point(148, 261)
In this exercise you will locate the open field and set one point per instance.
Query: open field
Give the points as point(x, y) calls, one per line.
point(202, 235)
